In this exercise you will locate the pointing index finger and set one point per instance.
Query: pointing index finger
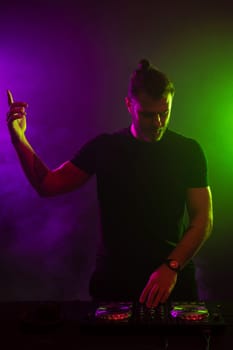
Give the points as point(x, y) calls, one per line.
point(10, 98)
point(12, 103)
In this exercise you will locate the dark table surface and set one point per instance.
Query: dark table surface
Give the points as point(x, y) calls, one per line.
point(58, 325)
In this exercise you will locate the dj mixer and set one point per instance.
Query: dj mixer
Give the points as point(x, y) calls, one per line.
point(173, 318)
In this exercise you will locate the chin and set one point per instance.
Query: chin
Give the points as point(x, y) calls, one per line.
point(157, 137)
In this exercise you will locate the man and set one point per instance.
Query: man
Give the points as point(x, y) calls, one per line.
point(146, 176)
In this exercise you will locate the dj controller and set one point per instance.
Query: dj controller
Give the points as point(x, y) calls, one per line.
point(171, 318)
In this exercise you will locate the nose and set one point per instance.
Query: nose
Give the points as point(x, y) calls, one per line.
point(157, 120)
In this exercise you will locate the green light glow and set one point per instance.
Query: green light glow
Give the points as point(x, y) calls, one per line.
point(200, 63)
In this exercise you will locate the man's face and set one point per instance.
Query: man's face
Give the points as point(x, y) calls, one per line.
point(150, 117)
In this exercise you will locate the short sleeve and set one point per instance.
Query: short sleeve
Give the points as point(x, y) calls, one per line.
point(197, 170)
point(85, 158)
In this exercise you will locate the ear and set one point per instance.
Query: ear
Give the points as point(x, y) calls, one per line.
point(128, 104)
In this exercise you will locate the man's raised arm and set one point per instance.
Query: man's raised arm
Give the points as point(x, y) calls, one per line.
point(46, 182)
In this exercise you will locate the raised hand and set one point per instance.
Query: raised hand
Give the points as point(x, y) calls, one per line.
point(16, 117)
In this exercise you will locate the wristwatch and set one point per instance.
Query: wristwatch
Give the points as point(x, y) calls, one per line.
point(173, 264)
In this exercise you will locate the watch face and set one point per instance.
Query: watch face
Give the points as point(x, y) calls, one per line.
point(174, 264)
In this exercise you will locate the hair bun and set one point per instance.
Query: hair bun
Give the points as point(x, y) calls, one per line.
point(144, 64)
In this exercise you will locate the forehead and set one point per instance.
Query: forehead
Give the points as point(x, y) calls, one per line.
point(145, 102)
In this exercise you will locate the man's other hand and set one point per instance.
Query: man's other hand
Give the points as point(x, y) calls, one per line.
point(159, 286)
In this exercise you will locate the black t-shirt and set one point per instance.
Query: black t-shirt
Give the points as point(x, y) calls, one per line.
point(141, 191)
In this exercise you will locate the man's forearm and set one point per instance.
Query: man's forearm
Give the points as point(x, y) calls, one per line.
point(200, 211)
point(189, 245)
point(34, 169)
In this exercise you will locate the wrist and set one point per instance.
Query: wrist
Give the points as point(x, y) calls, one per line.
point(16, 138)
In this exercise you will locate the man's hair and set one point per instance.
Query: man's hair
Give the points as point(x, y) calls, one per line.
point(148, 79)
